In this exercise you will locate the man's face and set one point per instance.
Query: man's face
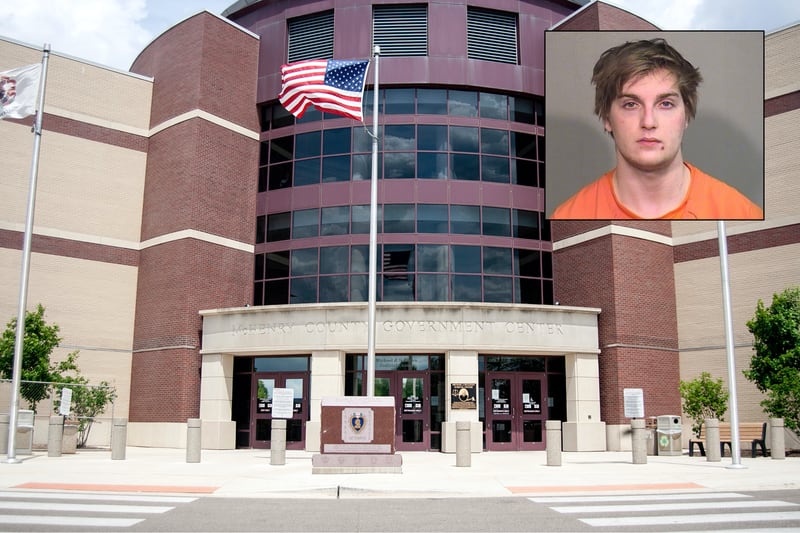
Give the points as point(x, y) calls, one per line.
point(648, 120)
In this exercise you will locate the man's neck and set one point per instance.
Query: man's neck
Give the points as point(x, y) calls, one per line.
point(651, 193)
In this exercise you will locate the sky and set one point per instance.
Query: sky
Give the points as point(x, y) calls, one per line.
point(114, 32)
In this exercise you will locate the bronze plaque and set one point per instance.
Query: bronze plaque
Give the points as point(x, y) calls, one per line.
point(462, 396)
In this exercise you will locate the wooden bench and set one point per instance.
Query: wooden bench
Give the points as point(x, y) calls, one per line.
point(754, 432)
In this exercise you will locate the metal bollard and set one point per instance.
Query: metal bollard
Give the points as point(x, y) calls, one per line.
point(777, 446)
point(193, 440)
point(4, 421)
point(55, 433)
point(639, 441)
point(119, 437)
point(463, 444)
point(713, 450)
point(552, 430)
point(277, 445)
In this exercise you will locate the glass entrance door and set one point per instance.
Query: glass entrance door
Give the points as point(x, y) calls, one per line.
point(412, 422)
point(515, 410)
point(264, 384)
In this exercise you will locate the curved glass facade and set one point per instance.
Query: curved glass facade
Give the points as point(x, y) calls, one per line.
point(460, 215)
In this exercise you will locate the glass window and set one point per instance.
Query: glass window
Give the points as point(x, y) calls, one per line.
point(359, 288)
point(432, 257)
point(280, 176)
point(431, 137)
point(305, 223)
point(399, 137)
point(398, 268)
point(359, 258)
point(258, 293)
point(521, 109)
point(281, 364)
point(362, 141)
point(399, 165)
point(258, 271)
point(494, 141)
point(396, 289)
point(304, 262)
point(333, 289)
point(496, 221)
point(432, 218)
point(336, 168)
point(336, 141)
point(306, 172)
point(494, 169)
point(544, 223)
point(277, 265)
point(529, 290)
point(526, 224)
point(465, 219)
point(497, 289)
point(497, 260)
point(526, 263)
point(281, 117)
point(336, 220)
point(281, 149)
point(523, 145)
point(494, 106)
point(465, 258)
point(398, 218)
point(466, 288)
point(307, 144)
point(362, 167)
point(360, 219)
point(464, 167)
point(276, 292)
point(263, 178)
point(431, 165)
point(261, 229)
point(523, 172)
point(463, 103)
point(278, 226)
point(540, 148)
point(464, 139)
point(547, 265)
point(334, 259)
point(304, 291)
point(312, 114)
point(432, 287)
point(431, 101)
point(263, 154)
point(399, 101)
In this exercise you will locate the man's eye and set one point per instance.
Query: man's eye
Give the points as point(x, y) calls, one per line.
point(629, 104)
point(668, 104)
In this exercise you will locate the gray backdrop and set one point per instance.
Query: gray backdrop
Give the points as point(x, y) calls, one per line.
point(725, 139)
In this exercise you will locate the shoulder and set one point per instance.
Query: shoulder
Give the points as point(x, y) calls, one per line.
point(711, 198)
point(591, 202)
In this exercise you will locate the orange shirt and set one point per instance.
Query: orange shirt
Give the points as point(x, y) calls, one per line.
point(707, 198)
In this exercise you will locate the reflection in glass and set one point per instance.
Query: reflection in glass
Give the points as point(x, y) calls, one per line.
point(399, 165)
point(433, 288)
point(412, 430)
point(399, 101)
point(497, 289)
point(304, 262)
point(466, 258)
point(278, 227)
point(465, 219)
point(465, 167)
point(336, 168)
point(432, 165)
point(359, 258)
point(336, 141)
point(398, 218)
point(432, 218)
point(496, 260)
point(333, 259)
point(333, 289)
point(360, 219)
point(496, 221)
point(307, 144)
point(431, 137)
point(494, 106)
point(494, 141)
point(306, 172)
point(432, 257)
point(526, 224)
point(305, 223)
point(303, 291)
point(464, 139)
point(495, 169)
point(431, 101)
point(463, 103)
point(336, 220)
point(399, 137)
point(466, 288)
point(277, 265)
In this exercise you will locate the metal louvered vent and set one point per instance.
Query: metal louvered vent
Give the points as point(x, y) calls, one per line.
point(311, 37)
point(492, 35)
point(400, 30)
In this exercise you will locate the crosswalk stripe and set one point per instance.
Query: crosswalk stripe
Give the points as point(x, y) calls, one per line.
point(674, 519)
point(77, 521)
point(661, 507)
point(89, 496)
point(83, 507)
point(639, 497)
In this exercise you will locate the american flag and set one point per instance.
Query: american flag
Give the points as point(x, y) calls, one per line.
point(330, 85)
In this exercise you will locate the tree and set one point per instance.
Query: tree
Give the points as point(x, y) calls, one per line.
point(775, 366)
point(38, 343)
point(88, 401)
point(703, 398)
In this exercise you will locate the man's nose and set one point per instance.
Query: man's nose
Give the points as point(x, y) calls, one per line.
point(648, 118)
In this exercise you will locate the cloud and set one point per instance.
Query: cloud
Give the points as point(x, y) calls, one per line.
point(109, 32)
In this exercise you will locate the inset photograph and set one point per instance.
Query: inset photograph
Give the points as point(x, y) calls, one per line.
point(654, 125)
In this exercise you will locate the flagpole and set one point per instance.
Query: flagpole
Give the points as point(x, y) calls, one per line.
point(373, 236)
point(26, 264)
point(736, 456)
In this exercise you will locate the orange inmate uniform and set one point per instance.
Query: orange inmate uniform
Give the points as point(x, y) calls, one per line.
point(707, 198)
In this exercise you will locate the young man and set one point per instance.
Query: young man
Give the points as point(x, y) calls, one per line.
point(645, 95)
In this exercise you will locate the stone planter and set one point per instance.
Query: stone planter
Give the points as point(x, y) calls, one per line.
point(69, 439)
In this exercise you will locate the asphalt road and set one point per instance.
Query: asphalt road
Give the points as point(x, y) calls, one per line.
point(696, 511)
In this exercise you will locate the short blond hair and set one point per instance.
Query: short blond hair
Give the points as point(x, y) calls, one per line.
point(632, 60)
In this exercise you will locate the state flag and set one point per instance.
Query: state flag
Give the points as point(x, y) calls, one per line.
point(19, 89)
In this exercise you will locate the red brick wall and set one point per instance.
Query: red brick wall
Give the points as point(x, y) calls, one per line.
point(600, 16)
point(631, 280)
point(201, 176)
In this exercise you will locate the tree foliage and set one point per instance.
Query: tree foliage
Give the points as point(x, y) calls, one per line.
point(703, 398)
point(775, 366)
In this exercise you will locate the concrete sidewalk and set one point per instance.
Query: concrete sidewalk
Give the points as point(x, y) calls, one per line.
point(248, 473)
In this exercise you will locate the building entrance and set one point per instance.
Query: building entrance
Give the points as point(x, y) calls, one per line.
point(264, 384)
point(515, 410)
point(412, 409)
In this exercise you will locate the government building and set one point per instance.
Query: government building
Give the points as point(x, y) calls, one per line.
point(201, 247)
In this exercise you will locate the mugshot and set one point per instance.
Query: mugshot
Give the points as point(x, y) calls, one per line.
point(654, 125)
